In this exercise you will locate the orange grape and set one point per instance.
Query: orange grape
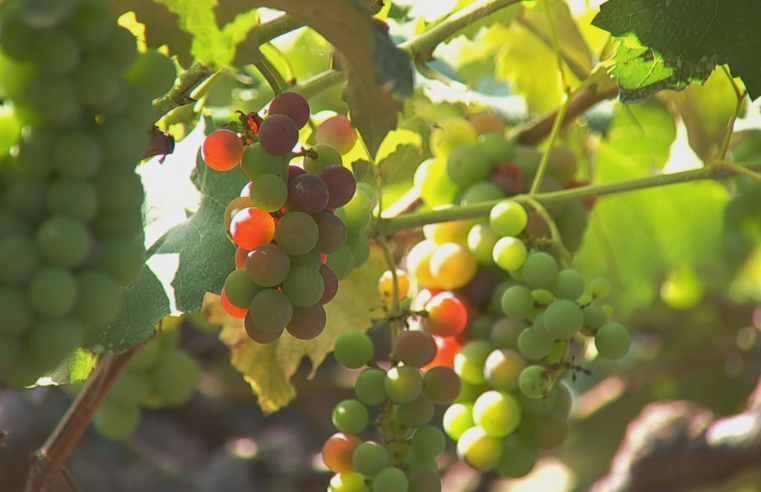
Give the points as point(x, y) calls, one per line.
point(251, 227)
point(233, 311)
point(386, 284)
point(447, 315)
point(222, 150)
point(338, 451)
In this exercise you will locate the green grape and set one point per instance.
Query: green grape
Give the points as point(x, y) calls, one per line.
point(518, 458)
point(509, 253)
point(121, 257)
point(569, 284)
point(469, 392)
point(52, 292)
point(57, 52)
point(425, 481)
point(502, 369)
point(53, 100)
point(563, 398)
point(10, 349)
point(436, 188)
point(154, 71)
point(26, 199)
point(122, 145)
point(50, 340)
point(532, 345)
point(91, 25)
point(257, 162)
point(296, 233)
point(600, 287)
point(18, 259)
point(540, 269)
point(469, 361)
point(612, 341)
point(359, 245)
point(542, 297)
point(457, 419)
point(304, 286)
point(62, 241)
point(505, 332)
point(481, 240)
point(483, 191)
point(312, 259)
point(562, 165)
point(120, 48)
point(497, 413)
point(131, 388)
point(442, 385)
point(268, 192)
point(174, 377)
point(17, 315)
point(508, 218)
point(517, 302)
point(479, 450)
point(118, 191)
point(127, 223)
point(268, 265)
point(535, 382)
point(416, 413)
point(99, 300)
point(390, 480)
point(147, 358)
point(97, 82)
point(348, 482)
point(496, 147)
point(271, 310)
point(353, 350)
point(240, 289)
point(451, 133)
point(370, 388)
point(479, 326)
point(594, 317)
point(428, 442)
point(468, 165)
point(72, 198)
point(115, 421)
point(350, 416)
point(547, 431)
point(563, 319)
point(403, 384)
point(369, 458)
point(358, 210)
point(327, 155)
point(413, 463)
point(572, 224)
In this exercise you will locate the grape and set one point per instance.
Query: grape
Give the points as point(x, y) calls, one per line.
point(505, 332)
point(442, 385)
point(17, 315)
point(350, 416)
point(291, 104)
point(386, 285)
point(572, 223)
point(497, 413)
point(312, 259)
point(118, 190)
point(370, 458)
point(562, 165)
point(115, 421)
point(327, 155)
point(18, 259)
point(256, 162)
point(600, 287)
point(457, 419)
point(358, 211)
point(359, 244)
point(415, 463)
point(468, 165)
point(390, 480)
point(369, 386)
point(518, 458)
point(469, 362)
point(294, 171)
point(222, 150)
point(76, 199)
point(97, 82)
point(240, 289)
point(416, 413)
point(52, 291)
point(120, 48)
point(251, 227)
point(153, 71)
point(479, 290)
point(594, 317)
point(341, 185)
point(542, 297)
point(56, 98)
point(415, 348)
point(452, 265)
point(447, 316)
point(403, 384)
point(569, 284)
point(230, 308)
point(419, 262)
point(428, 442)
point(332, 232)
point(132, 387)
point(63, 241)
point(296, 233)
point(436, 188)
point(270, 310)
point(338, 451)
point(267, 265)
point(508, 218)
point(26, 199)
point(612, 340)
point(99, 298)
point(258, 335)
point(278, 134)
point(563, 319)
point(479, 450)
point(15, 39)
point(483, 191)
point(496, 146)
point(330, 280)
point(424, 481)
point(453, 231)
point(307, 193)
point(342, 261)
point(540, 269)
point(337, 132)
point(268, 192)
point(451, 133)
point(509, 177)
point(174, 377)
point(57, 52)
point(481, 240)
point(535, 382)
point(76, 155)
point(307, 323)
point(347, 482)
point(304, 286)
point(121, 257)
point(502, 369)
point(509, 253)
point(532, 345)
point(353, 349)
point(50, 340)
point(517, 302)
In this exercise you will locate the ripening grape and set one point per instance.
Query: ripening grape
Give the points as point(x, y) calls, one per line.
point(303, 286)
point(240, 289)
point(338, 451)
point(419, 262)
point(535, 382)
point(446, 347)
point(307, 323)
point(278, 134)
point(327, 155)
point(337, 132)
point(268, 192)
point(386, 285)
point(415, 348)
point(447, 315)
point(251, 227)
point(307, 193)
point(258, 335)
point(230, 308)
point(222, 150)
point(478, 449)
point(450, 133)
point(487, 124)
point(330, 281)
point(452, 265)
point(341, 185)
point(497, 413)
point(442, 385)
point(270, 310)
point(332, 234)
point(296, 233)
point(267, 265)
point(353, 349)
point(612, 340)
point(291, 104)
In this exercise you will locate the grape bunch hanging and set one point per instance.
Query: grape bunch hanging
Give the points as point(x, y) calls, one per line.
point(290, 222)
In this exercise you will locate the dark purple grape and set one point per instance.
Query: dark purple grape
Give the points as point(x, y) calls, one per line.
point(291, 104)
point(307, 193)
point(330, 279)
point(258, 335)
point(509, 177)
point(478, 291)
point(294, 171)
point(341, 185)
point(278, 134)
point(307, 323)
point(331, 232)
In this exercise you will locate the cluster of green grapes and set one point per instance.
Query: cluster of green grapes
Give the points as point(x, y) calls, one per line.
point(294, 226)
point(402, 445)
point(161, 375)
point(75, 85)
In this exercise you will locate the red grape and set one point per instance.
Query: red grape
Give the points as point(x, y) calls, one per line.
point(330, 279)
point(293, 105)
point(278, 134)
point(341, 185)
point(251, 227)
point(307, 323)
point(447, 348)
point(233, 311)
point(447, 315)
point(338, 132)
point(222, 150)
point(307, 193)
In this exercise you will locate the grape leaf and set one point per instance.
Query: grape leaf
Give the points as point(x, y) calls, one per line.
point(269, 368)
point(77, 367)
point(670, 44)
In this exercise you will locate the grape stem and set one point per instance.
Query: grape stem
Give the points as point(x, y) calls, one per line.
point(179, 94)
point(47, 463)
point(716, 170)
point(270, 73)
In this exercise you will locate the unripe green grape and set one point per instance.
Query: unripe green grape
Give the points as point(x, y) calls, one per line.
point(348, 482)
point(505, 332)
point(497, 147)
point(483, 191)
point(569, 284)
point(18, 259)
point(353, 349)
point(257, 162)
point(481, 240)
point(517, 302)
point(542, 297)
point(563, 319)
point(17, 314)
point(540, 269)
point(469, 392)
point(240, 289)
point(518, 458)
point(369, 387)
point(350, 416)
point(535, 382)
point(390, 480)
point(451, 133)
point(52, 291)
point(154, 71)
point(508, 218)
point(436, 187)
point(479, 450)
point(509, 253)
point(502, 369)
point(99, 300)
point(270, 310)
point(358, 210)
point(268, 192)
point(612, 341)
point(563, 398)
point(403, 384)
point(131, 388)
point(600, 287)
point(57, 52)
point(304, 286)
point(425, 481)
point(428, 442)
point(457, 419)
point(594, 318)
point(370, 458)
point(174, 377)
point(327, 155)
point(52, 339)
point(469, 361)
point(62, 241)
point(532, 345)
point(468, 165)
point(76, 199)
point(416, 413)
point(115, 421)
point(97, 82)
point(297, 233)
point(547, 431)
point(76, 155)
point(442, 385)
point(498, 413)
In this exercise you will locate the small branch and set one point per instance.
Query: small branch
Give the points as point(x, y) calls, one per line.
point(276, 27)
point(48, 461)
point(554, 134)
point(270, 74)
point(319, 83)
point(179, 95)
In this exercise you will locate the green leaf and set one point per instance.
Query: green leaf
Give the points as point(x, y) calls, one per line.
point(681, 41)
point(76, 367)
point(269, 368)
point(214, 32)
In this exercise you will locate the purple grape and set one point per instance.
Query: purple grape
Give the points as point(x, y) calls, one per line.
point(278, 134)
point(291, 104)
point(307, 193)
point(307, 323)
point(331, 232)
point(341, 185)
point(330, 279)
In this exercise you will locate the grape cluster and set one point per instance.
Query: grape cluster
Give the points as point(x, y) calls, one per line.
point(292, 224)
point(400, 402)
point(161, 375)
point(70, 200)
